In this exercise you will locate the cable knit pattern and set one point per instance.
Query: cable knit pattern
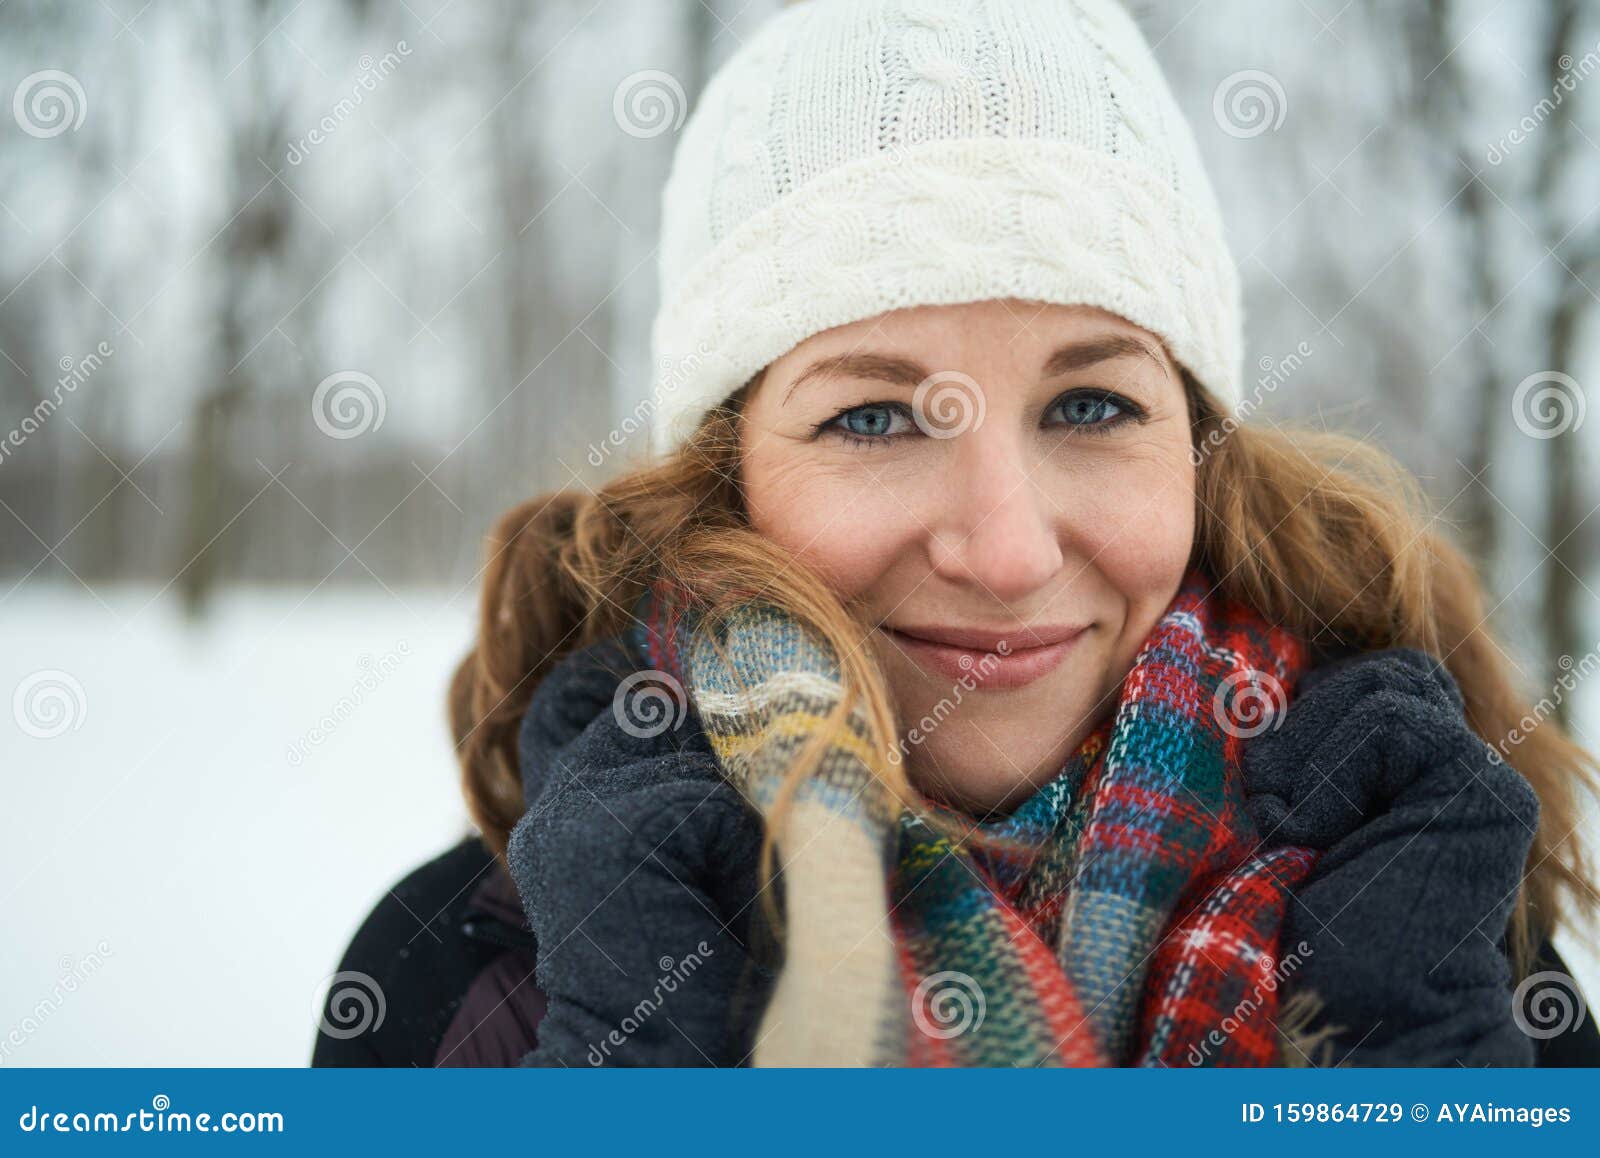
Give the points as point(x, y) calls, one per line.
point(861, 156)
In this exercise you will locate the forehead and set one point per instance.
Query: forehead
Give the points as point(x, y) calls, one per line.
point(1015, 339)
point(1009, 329)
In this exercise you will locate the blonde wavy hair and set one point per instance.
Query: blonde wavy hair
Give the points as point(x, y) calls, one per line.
point(1272, 508)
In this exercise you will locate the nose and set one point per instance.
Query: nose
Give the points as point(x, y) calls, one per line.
point(995, 529)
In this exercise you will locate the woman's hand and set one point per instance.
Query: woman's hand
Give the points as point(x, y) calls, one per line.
point(1425, 834)
point(636, 862)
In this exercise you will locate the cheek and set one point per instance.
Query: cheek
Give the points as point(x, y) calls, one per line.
point(849, 531)
point(1137, 523)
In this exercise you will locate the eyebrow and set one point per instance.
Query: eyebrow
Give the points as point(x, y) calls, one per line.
point(909, 372)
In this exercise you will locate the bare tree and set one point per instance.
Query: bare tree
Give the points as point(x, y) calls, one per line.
point(250, 258)
point(1560, 150)
point(1443, 101)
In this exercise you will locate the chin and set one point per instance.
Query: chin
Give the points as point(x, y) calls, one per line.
point(987, 756)
point(976, 778)
point(987, 802)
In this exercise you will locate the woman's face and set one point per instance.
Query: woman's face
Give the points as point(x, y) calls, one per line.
point(1004, 489)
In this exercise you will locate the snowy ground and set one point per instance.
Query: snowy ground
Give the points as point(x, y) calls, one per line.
point(196, 836)
point(174, 827)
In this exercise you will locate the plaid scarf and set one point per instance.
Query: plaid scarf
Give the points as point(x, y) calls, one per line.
point(1124, 914)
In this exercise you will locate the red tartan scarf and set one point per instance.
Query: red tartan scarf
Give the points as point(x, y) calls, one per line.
point(1125, 914)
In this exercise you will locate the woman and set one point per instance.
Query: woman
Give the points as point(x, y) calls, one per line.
point(967, 682)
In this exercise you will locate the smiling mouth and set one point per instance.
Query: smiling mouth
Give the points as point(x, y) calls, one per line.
point(997, 664)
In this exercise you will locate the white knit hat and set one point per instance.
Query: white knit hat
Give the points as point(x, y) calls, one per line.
point(859, 156)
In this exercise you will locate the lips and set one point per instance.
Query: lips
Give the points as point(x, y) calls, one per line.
point(992, 659)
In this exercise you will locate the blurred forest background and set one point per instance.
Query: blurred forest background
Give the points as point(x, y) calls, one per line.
point(297, 295)
point(469, 246)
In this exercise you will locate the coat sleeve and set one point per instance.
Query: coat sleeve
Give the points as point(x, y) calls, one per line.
point(636, 862)
point(1400, 929)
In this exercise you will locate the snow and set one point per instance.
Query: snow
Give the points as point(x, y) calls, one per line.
point(173, 827)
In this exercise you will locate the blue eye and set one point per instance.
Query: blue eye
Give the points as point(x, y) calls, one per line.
point(1090, 409)
point(1084, 411)
point(872, 423)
